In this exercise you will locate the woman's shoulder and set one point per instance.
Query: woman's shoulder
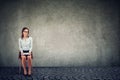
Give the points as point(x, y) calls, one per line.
point(30, 37)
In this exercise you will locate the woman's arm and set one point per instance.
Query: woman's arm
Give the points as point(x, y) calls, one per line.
point(20, 46)
point(31, 44)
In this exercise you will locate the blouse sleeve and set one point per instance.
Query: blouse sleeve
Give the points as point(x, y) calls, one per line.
point(31, 44)
point(20, 46)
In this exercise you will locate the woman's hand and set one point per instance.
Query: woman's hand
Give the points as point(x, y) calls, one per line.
point(30, 53)
point(22, 53)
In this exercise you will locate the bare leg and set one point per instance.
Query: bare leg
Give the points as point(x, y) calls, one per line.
point(24, 65)
point(29, 64)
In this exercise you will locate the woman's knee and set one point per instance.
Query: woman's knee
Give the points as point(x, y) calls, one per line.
point(29, 57)
point(23, 57)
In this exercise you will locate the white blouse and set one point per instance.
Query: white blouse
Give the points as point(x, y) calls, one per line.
point(25, 44)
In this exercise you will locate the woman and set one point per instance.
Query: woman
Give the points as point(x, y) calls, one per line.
point(25, 47)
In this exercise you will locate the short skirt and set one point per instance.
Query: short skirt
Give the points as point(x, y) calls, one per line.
point(25, 52)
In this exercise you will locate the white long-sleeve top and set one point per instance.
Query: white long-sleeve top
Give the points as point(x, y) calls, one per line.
point(25, 44)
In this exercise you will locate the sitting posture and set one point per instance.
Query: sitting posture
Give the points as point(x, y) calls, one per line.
point(25, 48)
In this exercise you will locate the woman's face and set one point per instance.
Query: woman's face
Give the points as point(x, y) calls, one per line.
point(25, 32)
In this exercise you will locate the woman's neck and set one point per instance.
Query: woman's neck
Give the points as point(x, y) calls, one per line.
point(25, 37)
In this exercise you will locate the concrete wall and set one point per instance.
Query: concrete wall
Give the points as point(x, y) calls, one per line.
point(65, 32)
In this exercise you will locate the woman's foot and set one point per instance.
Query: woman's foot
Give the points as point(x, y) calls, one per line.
point(29, 72)
point(25, 72)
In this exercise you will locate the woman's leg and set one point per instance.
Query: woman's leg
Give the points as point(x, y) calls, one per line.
point(24, 64)
point(29, 64)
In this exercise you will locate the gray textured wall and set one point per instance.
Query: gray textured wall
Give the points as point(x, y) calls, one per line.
point(65, 32)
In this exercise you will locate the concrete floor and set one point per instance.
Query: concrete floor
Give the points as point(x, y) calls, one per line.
point(62, 73)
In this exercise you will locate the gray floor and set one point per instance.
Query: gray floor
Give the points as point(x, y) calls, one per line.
point(62, 73)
